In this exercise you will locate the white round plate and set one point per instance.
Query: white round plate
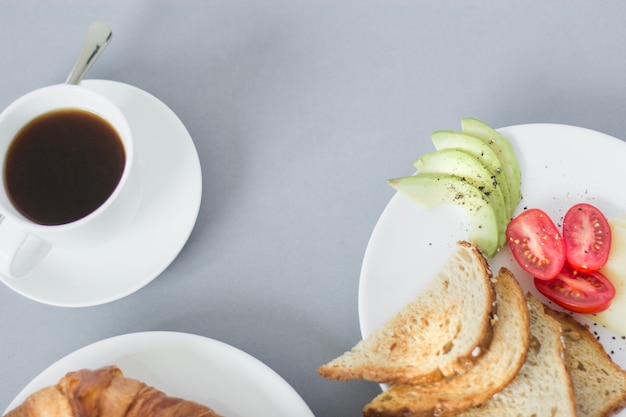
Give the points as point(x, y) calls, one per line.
point(182, 365)
point(561, 166)
point(172, 189)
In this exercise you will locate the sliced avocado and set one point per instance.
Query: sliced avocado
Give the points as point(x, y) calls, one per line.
point(447, 139)
point(503, 149)
point(435, 189)
point(467, 167)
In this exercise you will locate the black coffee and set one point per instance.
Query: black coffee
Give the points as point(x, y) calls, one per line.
point(63, 165)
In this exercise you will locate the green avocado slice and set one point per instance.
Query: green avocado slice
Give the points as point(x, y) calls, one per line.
point(503, 149)
point(447, 139)
point(431, 190)
point(467, 167)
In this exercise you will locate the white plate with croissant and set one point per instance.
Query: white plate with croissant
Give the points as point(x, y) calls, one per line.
point(200, 374)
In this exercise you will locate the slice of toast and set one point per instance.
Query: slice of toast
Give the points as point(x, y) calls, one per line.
point(543, 386)
point(442, 332)
point(599, 384)
point(491, 373)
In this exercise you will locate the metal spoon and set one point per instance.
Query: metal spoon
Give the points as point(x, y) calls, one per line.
point(98, 37)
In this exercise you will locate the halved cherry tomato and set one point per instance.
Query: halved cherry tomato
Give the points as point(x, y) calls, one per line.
point(536, 244)
point(580, 292)
point(587, 237)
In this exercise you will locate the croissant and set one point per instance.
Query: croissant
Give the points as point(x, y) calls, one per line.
point(105, 392)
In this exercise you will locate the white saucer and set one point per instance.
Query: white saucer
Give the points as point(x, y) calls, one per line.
point(183, 365)
point(172, 187)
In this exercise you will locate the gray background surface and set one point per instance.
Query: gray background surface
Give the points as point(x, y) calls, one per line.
point(300, 110)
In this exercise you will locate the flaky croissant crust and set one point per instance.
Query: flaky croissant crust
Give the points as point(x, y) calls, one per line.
point(105, 392)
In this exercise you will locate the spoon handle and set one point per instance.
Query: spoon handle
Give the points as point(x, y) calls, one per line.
point(97, 39)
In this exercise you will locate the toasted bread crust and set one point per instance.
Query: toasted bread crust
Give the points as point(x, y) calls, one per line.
point(599, 384)
point(442, 332)
point(543, 385)
point(491, 373)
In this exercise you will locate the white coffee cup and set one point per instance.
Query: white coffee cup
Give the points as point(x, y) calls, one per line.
point(23, 242)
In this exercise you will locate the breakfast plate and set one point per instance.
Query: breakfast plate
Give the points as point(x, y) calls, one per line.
point(172, 189)
point(561, 166)
point(193, 367)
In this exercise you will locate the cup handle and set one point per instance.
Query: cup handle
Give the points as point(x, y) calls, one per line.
point(20, 251)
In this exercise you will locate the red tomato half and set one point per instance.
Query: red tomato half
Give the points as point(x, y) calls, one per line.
point(536, 244)
point(580, 292)
point(587, 237)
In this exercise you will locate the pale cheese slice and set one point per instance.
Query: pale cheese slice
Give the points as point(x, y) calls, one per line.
point(614, 317)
